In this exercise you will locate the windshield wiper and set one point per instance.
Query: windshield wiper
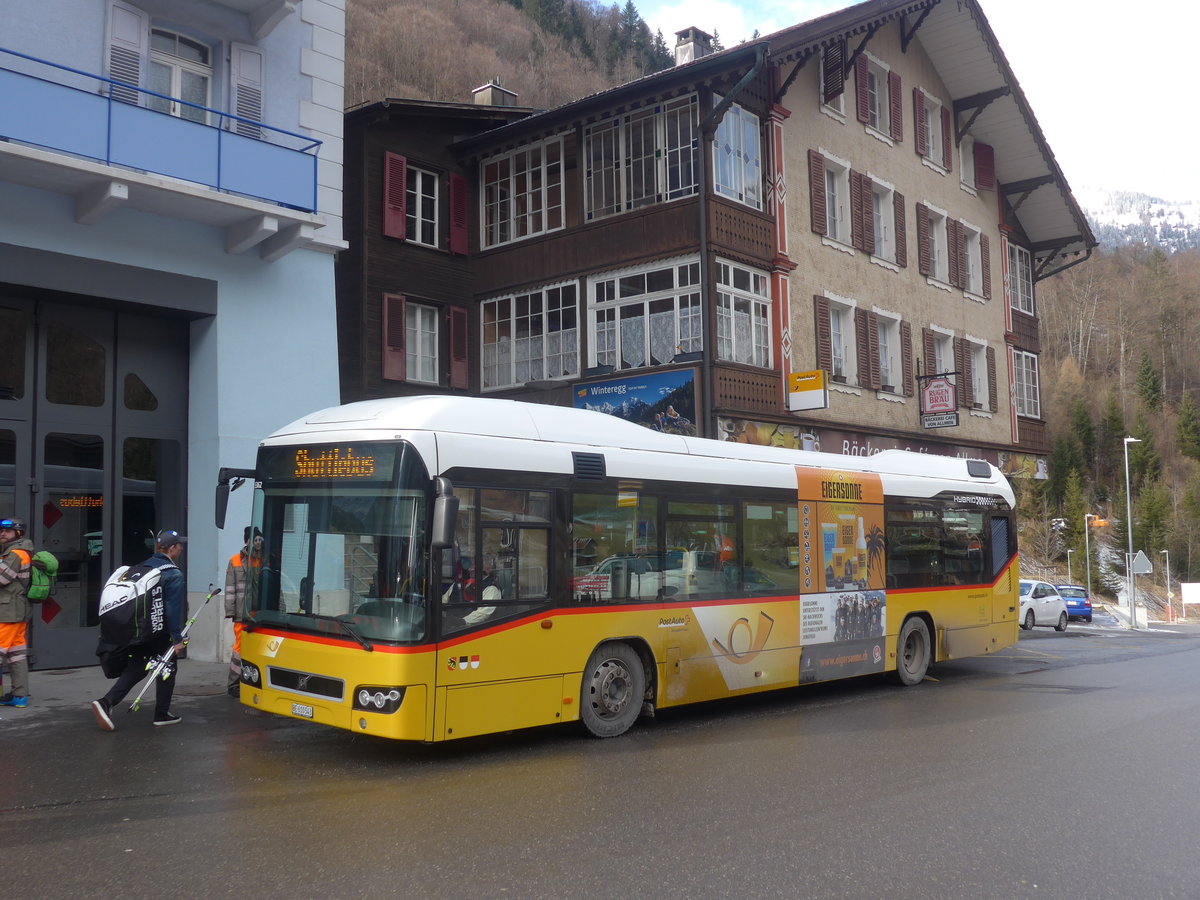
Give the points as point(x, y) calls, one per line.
point(347, 628)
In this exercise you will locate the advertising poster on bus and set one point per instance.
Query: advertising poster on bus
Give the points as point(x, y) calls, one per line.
point(843, 609)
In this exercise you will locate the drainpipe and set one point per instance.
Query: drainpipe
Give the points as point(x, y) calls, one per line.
point(708, 128)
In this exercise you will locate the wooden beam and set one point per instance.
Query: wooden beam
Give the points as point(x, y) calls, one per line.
point(906, 36)
point(978, 103)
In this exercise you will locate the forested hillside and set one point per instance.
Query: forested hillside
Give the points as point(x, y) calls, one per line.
point(548, 52)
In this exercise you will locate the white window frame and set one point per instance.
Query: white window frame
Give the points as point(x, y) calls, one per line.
point(622, 303)
point(842, 328)
point(972, 260)
point(979, 373)
point(1026, 389)
point(837, 200)
point(890, 362)
point(743, 314)
point(644, 157)
point(966, 164)
point(943, 352)
point(421, 339)
point(529, 336)
point(521, 193)
point(883, 220)
point(939, 245)
point(737, 156)
point(177, 66)
point(421, 223)
point(1020, 280)
point(879, 99)
point(933, 132)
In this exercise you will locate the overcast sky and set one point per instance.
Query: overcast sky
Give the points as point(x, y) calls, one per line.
point(1107, 88)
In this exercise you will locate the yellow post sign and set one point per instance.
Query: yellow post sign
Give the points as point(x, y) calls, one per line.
point(806, 390)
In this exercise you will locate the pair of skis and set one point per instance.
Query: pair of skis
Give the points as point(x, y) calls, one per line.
point(159, 666)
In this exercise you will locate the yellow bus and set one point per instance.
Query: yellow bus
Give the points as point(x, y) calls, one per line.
point(441, 567)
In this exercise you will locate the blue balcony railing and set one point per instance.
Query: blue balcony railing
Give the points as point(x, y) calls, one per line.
point(75, 112)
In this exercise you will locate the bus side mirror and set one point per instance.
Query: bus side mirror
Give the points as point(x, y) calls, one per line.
point(228, 480)
point(445, 514)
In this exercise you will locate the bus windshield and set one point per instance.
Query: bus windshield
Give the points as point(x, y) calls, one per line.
point(343, 555)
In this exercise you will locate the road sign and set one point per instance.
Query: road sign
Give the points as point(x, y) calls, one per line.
point(1141, 564)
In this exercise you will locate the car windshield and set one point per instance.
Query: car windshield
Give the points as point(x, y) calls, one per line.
point(1026, 587)
point(1073, 592)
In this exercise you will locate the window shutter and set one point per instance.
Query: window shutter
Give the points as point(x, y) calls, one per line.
point(861, 94)
point(930, 351)
point(895, 107)
point(962, 364)
point(985, 263)
point(824, 334)
point(985, 166)
point(395, 368)
point(991, 367)
point(868, 214)
point(858, 229)
point(906, 359)
point(458, 214)
point(947, 140)
point(862, 346)
point(459, 342)
point(833, 70)
point(921, 140)
point(872, 321)
point(128, 49)
point(246, 85)
point(954, 240)
point(901, 230)
point(924, 263)
point(816, 190)
point(395, 187)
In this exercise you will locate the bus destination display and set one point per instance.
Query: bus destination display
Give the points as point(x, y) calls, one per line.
point(338, 462)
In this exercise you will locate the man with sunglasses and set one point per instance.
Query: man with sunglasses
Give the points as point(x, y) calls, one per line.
point(14, 608)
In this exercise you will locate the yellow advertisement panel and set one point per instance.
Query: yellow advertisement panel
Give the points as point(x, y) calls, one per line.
point(841, 530)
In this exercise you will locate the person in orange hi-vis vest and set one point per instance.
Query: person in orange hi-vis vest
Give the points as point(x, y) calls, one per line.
point(242, 572)
point(15, 553)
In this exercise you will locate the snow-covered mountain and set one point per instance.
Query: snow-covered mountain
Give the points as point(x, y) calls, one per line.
point(1125, 217)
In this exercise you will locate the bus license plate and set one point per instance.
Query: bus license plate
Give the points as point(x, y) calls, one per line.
point(299, 709)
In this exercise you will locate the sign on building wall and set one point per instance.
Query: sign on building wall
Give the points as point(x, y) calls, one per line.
point(662, 401)
point(939, 400)
point(806, 390)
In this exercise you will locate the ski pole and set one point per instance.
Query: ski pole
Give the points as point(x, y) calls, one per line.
point(159, 665)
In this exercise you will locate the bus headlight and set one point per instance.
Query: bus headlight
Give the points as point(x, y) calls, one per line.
point(250, 674)
point(378, 699)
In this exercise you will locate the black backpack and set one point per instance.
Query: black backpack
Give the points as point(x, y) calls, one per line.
point(132, 611)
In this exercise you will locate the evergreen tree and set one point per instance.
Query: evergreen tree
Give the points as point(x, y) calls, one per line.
point(1065, 460)
point(1109, 440)
point(1073, 509)
point(1187, 428)
point(1084, 431)
point(717, 45)
point(1149, 383)
point(1153, 518)
point(1145, 463)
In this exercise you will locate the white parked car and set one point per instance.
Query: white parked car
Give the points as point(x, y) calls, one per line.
point(1042, 604)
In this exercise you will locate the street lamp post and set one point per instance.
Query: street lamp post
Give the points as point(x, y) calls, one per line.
point(1167, 574)
point(1069, 579)
point(1087, 552)
point(1129, 534)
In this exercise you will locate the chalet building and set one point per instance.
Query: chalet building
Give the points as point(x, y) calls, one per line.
point(827, 238)
point(171, 188)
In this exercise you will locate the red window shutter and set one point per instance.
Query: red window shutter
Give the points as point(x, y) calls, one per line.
point(824, 334)
point(861, 94)
point(395, 189)
point(833, 70)
point(906, 359)
point(954, 238)
point(901, 230)
point(930, 351)
point(985, 166)
point(924, 260)
point(862, 346)
point(459, 342)
point(458, 214)
point(816, 190)
point(895, 107)
point(873, 350)
point(395, 368)
point(921, 141)
point(962, 363)
point(857, 227)
point(991, 366)
point(868, 214)
point(985, 263)
point(947, 140)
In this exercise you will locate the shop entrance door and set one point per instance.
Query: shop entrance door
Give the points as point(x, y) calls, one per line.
point(93, 431)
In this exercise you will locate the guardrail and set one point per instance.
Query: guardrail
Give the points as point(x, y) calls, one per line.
point(98, 118)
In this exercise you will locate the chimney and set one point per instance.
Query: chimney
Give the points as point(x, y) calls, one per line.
point(491, 94)
point(691, 44)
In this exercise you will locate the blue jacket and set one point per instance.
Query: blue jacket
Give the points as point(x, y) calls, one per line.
point(171, 580)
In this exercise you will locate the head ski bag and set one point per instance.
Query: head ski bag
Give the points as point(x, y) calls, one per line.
point(131, 605)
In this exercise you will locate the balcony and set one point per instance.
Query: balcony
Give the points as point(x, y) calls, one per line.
point(81, 134)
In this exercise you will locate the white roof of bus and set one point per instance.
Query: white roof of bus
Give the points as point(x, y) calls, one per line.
point(393, 417)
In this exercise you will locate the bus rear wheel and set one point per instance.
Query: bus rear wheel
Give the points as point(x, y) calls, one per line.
point(614, 686)
point(912, 652)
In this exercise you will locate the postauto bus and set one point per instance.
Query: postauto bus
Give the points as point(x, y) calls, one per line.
point(441, 567)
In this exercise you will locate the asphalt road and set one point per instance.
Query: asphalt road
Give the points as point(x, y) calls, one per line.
point(1061, 768)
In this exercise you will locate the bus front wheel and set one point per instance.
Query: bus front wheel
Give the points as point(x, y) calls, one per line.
point(912, 652)
point(614, 686)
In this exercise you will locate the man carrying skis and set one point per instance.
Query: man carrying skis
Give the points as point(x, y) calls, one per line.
point(168, 550)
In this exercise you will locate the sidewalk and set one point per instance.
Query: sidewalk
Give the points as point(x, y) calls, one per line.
point(77, 688)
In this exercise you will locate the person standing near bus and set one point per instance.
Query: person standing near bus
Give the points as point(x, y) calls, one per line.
point(14, 608)
point(240, 575)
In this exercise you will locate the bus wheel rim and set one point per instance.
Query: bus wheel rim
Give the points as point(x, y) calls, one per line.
point(612, 685)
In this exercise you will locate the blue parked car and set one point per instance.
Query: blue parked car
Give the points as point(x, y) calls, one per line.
point(1079, 604)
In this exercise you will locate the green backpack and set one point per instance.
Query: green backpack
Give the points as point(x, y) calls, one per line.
point(43, 573)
